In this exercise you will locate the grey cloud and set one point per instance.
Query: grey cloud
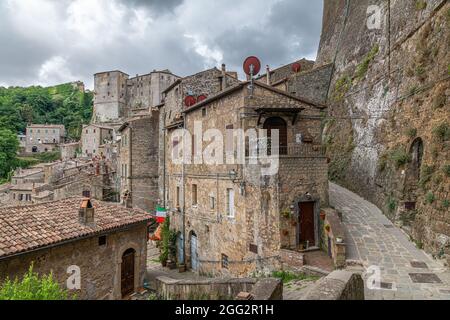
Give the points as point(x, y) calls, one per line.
point(157, 5)
point(163, 44)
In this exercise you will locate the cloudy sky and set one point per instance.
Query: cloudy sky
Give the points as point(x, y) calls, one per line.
point(48, 42)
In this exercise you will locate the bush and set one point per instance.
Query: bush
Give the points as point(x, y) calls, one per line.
point(446, 170)
point(32, 287)
point(421, 5)
point(392, 205)
point(446, 204)
point(400, 157)
point(442, 132)
point(411, 132)
point(426, 173)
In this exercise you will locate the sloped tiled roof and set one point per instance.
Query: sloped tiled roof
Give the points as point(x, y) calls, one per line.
point(40, 225)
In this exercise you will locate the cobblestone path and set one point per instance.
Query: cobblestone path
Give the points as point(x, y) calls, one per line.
point(373, 240)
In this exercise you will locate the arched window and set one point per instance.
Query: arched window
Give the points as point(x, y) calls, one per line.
point(277, 123)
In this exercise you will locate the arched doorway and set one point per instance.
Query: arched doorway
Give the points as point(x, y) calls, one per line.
point(194, 252)
point(34, 149)
point(127, 272)
point(276, 123)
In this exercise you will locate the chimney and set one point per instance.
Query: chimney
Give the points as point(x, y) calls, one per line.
point(268, 75)
point(86, 212)
point(224, 76)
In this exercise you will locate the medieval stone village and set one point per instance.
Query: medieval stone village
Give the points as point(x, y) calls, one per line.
point(314, 180)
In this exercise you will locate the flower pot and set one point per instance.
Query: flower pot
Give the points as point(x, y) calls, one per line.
point(164, 263)
point(181, 268)
point(171, 265)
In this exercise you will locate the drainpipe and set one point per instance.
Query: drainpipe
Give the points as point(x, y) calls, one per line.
point(183, 207)
point(164, 160)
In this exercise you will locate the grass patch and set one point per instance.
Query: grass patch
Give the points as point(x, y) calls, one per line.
point(430, 198)
point(341, 88)
point(362, 68)
point(287, 277)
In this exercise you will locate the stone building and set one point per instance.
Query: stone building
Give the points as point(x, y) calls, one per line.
point(93, 136)
point(138, 161)
point(44, 137)
point(102, 245)
point(23, 182)
point(235, 217)
point(117, 96)
point(200, 86)
point(276, 76)
point(69, 150)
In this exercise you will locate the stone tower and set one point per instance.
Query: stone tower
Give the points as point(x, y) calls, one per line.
point(110, 96)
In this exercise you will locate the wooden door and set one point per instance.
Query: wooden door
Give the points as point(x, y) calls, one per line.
point(307, 225)
point(127, 273)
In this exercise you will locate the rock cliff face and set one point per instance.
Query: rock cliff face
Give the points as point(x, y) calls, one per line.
point(388, 130)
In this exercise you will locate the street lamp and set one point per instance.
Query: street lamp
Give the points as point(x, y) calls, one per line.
point(233, 175)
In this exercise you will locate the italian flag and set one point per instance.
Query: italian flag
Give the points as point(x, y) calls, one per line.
point(161, 214)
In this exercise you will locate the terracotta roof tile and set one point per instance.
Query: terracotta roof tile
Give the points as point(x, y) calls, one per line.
point(35, 226)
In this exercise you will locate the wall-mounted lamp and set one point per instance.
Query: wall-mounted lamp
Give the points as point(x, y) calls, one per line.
point(308, 196)
point(233, 175)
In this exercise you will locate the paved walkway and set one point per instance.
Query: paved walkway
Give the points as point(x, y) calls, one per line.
point(373, 240)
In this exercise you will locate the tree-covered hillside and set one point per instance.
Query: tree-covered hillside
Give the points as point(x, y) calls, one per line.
point(66, 104)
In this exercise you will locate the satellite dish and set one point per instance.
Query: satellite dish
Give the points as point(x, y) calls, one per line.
point(202, 97)
point(252, 66)
point(296, 67)
point(189, 101)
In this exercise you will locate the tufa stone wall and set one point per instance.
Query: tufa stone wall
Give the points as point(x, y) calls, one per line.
point(387, 132)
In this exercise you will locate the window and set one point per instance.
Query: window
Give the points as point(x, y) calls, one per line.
point(86, 194)
point(194, 195)
point(102, 241)
point(178, 196)
point(212, 203)
point(230, 203)
point(20, 197)
point(224, 261)
point(204, 112)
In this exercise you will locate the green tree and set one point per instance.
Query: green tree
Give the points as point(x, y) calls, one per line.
point(32, 287)
point(9, 144)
